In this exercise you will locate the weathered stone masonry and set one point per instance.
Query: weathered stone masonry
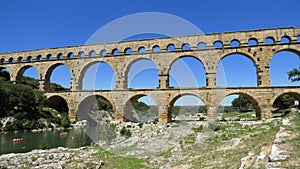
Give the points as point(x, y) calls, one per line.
point(79, 58)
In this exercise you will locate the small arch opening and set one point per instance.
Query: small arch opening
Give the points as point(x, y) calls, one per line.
point(103, 52)
point(70, 55)
point(81, 54)
point(171, 47)
point(11, 60)
point(142, 49)
point(285, 39)
point(39, 58)
point(201, 45)
point(156, 48)
point(115, 52)
point(269, 40)
point(2, 60)
point(218, 45)
point(20, 59)
point(298, 38)
point(49, 57)
point(128, 51)
point(186, 46)
point(252, 42)
point(29, 59)
point(60, 56)
point(235, 43)
point(92, 53)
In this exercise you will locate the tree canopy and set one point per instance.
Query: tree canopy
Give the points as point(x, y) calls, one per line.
point(294, 75)
point(241, 104)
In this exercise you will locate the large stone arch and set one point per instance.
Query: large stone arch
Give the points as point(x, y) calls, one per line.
point(7, 75)
point(86, 65)
point(198, 59)
point(249, 96)
point(23, 69)
point(243, 54)
point(49, 71)
point(173, 99)
point(292, 93)
point(58, 103)
point(131, 62)
point(128, 114)
point(88, 103)
point(180, 56)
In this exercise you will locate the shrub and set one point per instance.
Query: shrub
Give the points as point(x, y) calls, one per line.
point(44, 146)
point(125, 132)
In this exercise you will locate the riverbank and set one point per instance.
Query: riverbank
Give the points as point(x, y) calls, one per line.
point(238, 144)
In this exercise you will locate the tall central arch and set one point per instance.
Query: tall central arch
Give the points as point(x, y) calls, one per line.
point(187, 71)
point(142, 73)
point(236, 70)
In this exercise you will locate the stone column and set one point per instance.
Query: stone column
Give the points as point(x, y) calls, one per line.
point(42, 84)
point(121, 83)
point(266, 111)
point(263, 76)
point(210, 80)
point(212, 113)
point(119, 113)
point(163, 81)
point(164, 114)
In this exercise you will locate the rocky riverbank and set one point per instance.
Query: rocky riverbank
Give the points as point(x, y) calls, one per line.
point(187, 144)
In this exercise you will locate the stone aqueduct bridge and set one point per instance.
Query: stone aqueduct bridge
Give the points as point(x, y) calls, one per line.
point(201, 47)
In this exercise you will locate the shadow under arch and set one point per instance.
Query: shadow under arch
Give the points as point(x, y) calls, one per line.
point(89, 65)
point(57, 103)
point(295, 95)
point(250, 98)
point(135, 73)
point(49, 72)
point(199, 108)
point(95, 109)
point(132, 115)
point(4, 73)
point(191, 70)
point(221, 71)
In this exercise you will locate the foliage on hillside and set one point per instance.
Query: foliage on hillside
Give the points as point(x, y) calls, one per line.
point(25, 103)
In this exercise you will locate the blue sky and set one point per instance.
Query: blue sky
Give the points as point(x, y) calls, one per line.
point(36, 24)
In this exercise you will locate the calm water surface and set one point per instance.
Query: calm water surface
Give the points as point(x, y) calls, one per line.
point(32, 140)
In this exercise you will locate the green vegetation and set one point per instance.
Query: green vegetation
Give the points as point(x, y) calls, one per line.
point(241, 104)
point(118, 162)
point(25, 103)
point(294, 75)
point(141, 106)
point(284, 102)
point(125, 132)
point(44, 146)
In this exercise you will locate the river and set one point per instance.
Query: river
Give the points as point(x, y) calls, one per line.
point(33, 140)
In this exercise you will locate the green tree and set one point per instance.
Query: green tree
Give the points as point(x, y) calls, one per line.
point(141, 106)
point(104, 104)
point(294, 75)
point(284, 102)
point(241, 104)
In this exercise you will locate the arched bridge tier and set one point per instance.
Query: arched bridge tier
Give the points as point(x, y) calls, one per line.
point(262, 99)
point(121, 56)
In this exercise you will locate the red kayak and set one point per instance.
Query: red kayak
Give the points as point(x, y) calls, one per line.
point(63, 133)
point(16, 140)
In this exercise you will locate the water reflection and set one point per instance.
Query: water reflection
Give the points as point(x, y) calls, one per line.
point(32, 140)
